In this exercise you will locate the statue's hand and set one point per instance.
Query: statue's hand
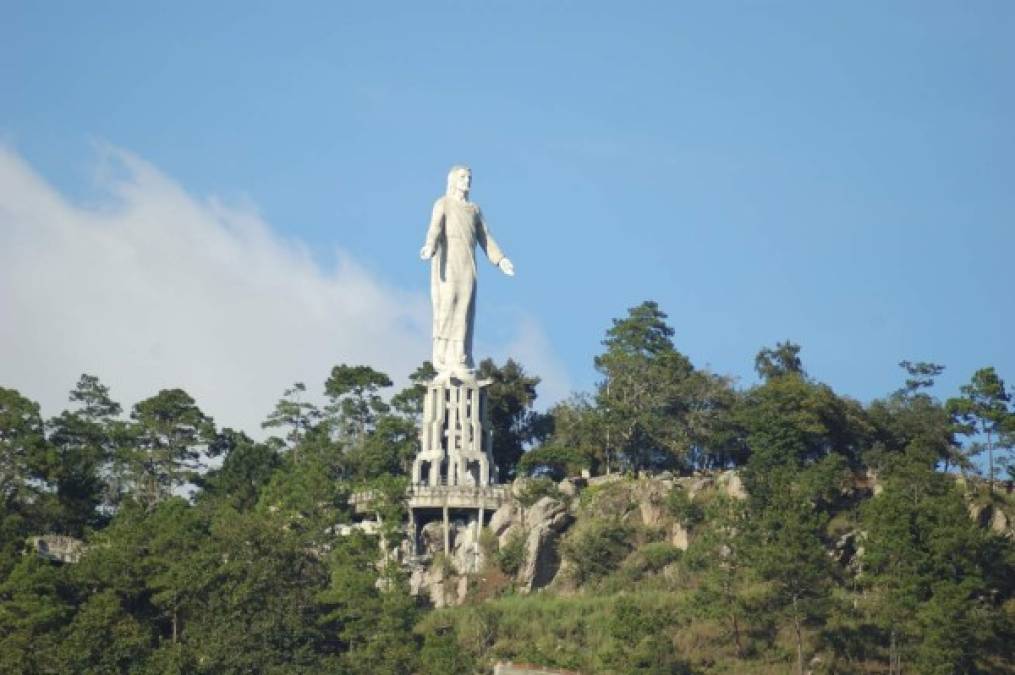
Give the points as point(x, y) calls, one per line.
point(426, 252)
point(506, 267)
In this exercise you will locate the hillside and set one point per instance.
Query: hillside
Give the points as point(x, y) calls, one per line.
point(662, 574)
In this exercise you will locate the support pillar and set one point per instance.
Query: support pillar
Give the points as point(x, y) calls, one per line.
point(412, 534)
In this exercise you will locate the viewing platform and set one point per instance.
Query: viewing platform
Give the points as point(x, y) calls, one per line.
point(486, 497)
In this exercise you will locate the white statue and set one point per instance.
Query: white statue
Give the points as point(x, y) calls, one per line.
point(456, 227)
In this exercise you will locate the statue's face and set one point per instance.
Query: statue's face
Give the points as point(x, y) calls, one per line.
point(463, 180)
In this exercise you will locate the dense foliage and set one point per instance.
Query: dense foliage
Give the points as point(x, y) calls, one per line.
point(205, 551)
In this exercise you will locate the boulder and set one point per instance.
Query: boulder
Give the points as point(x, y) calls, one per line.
point(731, 485)
point(544, 510)
point(466, 555)
point(541, 558)
point(432, 537)
point(430, 582)
point(567, 488)
point(679, 536)
point(544, 520)
point(692, 485)
point(502, 518)
point(651, 495)
point(1000, 523)
point(518, 487)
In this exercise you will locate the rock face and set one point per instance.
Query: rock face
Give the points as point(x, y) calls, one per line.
point(992, 517)
point(432, 538)
point(538, 528)
point(1002, 524)
point(731, 485)
point(545, 521)
point(679, 536)
point(466, 555)
point(651, 497)
point(502, 518)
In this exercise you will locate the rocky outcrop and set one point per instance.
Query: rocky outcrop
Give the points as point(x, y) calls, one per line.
point(502, 518)
point(545, 521)
point(651, 499)
point(992, 517)
point(1002, 524)
point(731, 485)
point(692, 485)
point(679, 536)
point(439, 585)
point(534, 529)
point(431, 538)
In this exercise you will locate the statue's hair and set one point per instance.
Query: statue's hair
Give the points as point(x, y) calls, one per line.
point(451, 176)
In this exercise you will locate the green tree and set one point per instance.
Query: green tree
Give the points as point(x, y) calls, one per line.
point(409, 401)
point(510, 397)
point(639, 396)
point(294, 414)
point(103, 638)
point(791, 422)
point(441, 653)
point(576, 439)
point(555, 461)
point(82, 442)
point(246, 469)
point(24, 499)
point(22, 447)
point(176, 564)
point(169, 433)
point(983, 411)
point(94, 402)
point(784, 359)
point(34, 608)
point(257, 589)
point(785, 549)
point(354, 400)
point(929, 575)
point(717, 554)
point(372, 620)
point(656, 409)
point(388, 449)
point(912, 420)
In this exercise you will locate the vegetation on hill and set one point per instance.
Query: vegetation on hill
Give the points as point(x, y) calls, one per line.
point(853, 550)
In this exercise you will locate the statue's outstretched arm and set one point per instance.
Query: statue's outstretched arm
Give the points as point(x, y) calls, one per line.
point(492, 250)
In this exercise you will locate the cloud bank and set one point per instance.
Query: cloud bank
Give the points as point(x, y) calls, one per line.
point(154, 288)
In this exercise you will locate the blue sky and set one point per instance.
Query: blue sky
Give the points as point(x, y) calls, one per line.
point(841, 175)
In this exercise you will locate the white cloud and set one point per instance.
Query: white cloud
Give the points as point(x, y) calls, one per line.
point(531, 348)
point(153, 288)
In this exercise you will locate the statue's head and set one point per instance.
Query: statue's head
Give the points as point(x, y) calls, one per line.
point(459, 178)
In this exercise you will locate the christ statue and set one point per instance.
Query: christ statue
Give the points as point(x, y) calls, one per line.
point(456, 227)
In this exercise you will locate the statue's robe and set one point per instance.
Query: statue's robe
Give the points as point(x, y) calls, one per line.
point(455, 229)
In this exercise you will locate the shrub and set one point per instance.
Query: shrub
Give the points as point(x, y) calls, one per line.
point(555, 461)
point(511, 555)
point(683, 508)
point(441, 654)
point(535, 489)
point(597, 548)
point(659, 554)
point(488, 543)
